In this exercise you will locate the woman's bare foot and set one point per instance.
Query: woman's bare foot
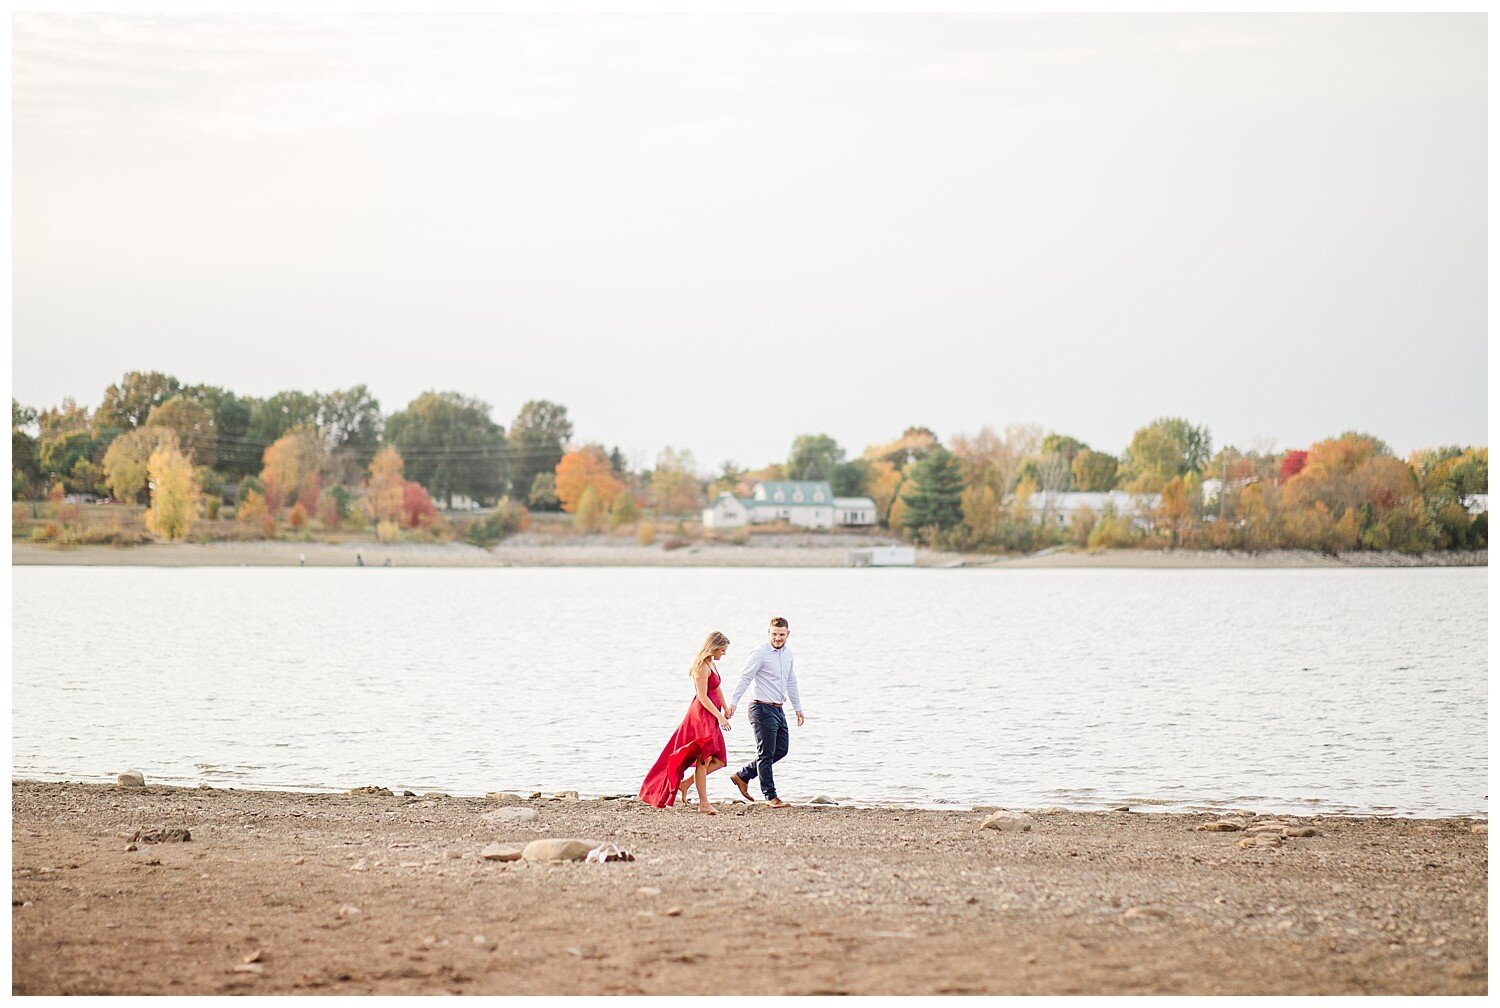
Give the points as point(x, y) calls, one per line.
point(682, 789)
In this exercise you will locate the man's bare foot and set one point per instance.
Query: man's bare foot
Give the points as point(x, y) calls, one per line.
point(707, 810)
point(777, 803)
point(744, 788)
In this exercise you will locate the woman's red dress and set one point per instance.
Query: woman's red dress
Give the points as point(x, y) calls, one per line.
point(698, 736)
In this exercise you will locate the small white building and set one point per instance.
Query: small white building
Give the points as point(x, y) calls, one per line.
point(883, 556)
point(805, 503)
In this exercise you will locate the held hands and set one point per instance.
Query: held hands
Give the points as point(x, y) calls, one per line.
point(724, 722)
point(729, 711)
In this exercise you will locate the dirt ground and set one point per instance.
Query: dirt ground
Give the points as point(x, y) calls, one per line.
point(362, 894)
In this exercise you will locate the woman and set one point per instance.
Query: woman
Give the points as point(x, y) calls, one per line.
point(698, 741)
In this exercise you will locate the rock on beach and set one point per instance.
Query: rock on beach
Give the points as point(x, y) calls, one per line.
point(131, 778)
point(569, 849)
point(1008, 822)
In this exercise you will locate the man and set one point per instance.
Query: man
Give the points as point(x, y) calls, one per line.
point(769, 670)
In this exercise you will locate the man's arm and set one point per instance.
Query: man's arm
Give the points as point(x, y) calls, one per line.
point(791, 687)
point(752, 665)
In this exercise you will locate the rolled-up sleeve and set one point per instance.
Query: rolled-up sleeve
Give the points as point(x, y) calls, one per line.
point(752, 665)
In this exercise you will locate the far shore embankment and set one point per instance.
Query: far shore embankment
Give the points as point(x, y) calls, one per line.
point(796, 553)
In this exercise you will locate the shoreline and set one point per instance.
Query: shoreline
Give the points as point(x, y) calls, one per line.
point(367, 892)
point(596, 554)
point(1140, 806)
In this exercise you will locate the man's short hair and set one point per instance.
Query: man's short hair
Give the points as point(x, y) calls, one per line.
point(779, 621)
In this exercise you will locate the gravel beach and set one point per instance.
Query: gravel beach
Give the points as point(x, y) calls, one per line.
point(375, 893)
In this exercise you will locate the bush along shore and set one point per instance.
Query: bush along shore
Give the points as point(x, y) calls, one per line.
point(135, 889)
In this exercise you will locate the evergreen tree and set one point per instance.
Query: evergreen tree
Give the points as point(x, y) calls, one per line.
point(934, 498)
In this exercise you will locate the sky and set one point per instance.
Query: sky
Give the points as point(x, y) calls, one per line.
point(716, 232)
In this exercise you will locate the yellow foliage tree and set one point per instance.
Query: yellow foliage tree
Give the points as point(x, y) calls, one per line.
point(128, 457)
point(622, 511)
point(386, 488)
point(589, 511)
point(583, 469)
point(174, 493)
point(981, 513)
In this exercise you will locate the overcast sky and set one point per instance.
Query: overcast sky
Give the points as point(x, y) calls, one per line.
point(717, 232)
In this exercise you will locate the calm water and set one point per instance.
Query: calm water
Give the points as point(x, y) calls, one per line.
point(1345, 690)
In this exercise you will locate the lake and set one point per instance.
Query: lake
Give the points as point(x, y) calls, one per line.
point(1336, 691)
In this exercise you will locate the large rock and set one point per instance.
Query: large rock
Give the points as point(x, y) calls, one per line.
point(131, 778)
point(371, 789)
point(1222, 826)
point(509, 816)
point(507, 797)
point(1299, 831)
point(570, 849)
point(501, 852)
point(1008, 822)
point(161, 836)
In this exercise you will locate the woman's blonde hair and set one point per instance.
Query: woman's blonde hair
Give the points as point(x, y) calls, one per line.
point(714, 641)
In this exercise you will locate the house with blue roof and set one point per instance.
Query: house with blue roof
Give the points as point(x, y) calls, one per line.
point(805, 503)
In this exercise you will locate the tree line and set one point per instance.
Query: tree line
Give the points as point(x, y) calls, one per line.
point(336, 460)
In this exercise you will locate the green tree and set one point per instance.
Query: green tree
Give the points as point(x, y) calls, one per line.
point(60, 456)
point(543, 496)
point(814, 457)
point(934, 501)
point(271, 418)
point(128, 404)
point(851, 479)
point(351, 423)
point(235, 453)
point(1094, 472)
point(1068, 447)
point(1164, 448)
point(622, 511)
point(451, 446)
point(538, 437)
point(25, 459)
point(193, 423)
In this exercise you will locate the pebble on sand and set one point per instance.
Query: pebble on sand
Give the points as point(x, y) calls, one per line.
point(131, 778)
point(1008, 822)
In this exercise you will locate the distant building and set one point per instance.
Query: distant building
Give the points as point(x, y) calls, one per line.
point(1064, 505)
point(883, 556)
point(805, 503)
point(1477, 503)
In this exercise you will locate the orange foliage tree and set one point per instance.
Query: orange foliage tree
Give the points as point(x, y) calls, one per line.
point(385, 491)
point(583, 469)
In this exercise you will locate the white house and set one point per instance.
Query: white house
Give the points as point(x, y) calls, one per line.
point(806, 503)
point(1064, 505)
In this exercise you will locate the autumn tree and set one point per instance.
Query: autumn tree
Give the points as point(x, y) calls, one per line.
point(674, 484)
point(451, 446)
point(934, 502)
point(417, 509)
point(127, 462)
point(290, 462)
point(385, 491)
point(1292, 464)
point(981, 511)
point(584, 469)
point(253, 514)
point(913, 444)
point(174, 493)
point(995, 460)
point(884, 487)
point(537, 438)
point(588, 510)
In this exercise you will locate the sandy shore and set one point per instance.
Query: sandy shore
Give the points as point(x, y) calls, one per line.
point(625, 554)
point(359, 894)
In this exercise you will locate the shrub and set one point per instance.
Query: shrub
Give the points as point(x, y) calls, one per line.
point(297, 517)
point(387, 531)
point(673, 543)
point(645, 533)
